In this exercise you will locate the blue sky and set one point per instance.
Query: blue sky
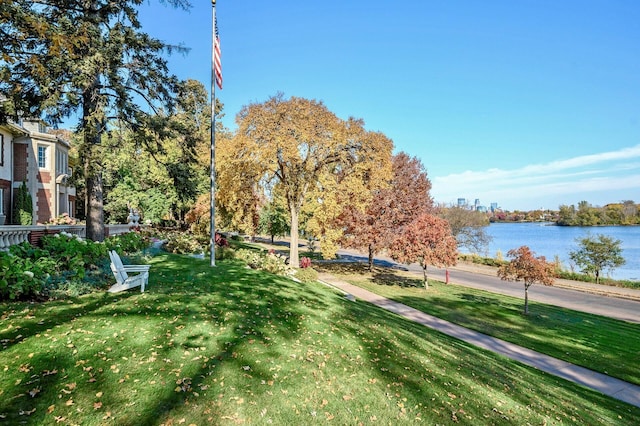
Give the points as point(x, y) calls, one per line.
point(530, 104)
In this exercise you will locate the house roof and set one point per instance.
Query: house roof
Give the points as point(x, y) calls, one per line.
point(33, 126)
point(17, 130)
point(14, 128)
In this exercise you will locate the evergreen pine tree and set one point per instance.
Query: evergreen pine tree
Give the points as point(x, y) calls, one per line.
point(23, 206)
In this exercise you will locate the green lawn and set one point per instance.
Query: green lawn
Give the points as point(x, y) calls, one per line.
point(231, 345)
point(602, 344)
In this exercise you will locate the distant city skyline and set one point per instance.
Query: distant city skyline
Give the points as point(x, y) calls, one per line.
point(607, 178)
point(493, 206)
point(477, 204)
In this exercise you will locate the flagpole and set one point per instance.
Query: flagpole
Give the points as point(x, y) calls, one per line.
point(213, 135)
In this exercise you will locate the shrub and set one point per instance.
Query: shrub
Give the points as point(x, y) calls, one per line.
point(25, 271)
point(130, 242)
point(19, 277)
point(63, 219)
point(488, 261)
point(224, 253)
point(66, 265)
point(65, 261)
point(305, 262)
point(270, 262)
point(306, 275)
point(183, 243)
point(73, 252)
point(253, 258)
point(274, 263)
point(220, 240)
point(168, 223)
point(311, 244)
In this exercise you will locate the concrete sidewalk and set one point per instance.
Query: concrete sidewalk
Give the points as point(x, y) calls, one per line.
point(610, 386)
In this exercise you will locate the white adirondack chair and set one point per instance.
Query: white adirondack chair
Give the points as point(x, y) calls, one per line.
point(124, 281)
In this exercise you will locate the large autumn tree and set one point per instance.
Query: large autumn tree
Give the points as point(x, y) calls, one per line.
point(304, 149)
point(390, 209)
point(349, 187)
point(88, 58)
point(428, 241)
point(525, 266)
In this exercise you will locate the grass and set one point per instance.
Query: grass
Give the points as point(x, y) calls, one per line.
point(231, 345)
point(602, 344)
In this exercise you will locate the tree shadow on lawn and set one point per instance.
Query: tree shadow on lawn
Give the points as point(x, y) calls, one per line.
point(468, 311)
point(363, 261)
point(380, 275)
point(394, 279)
point(255, 308)
point(356, 268)
point(200, 324)
point(510, 324)
point(25, 401)
point(452, 378)
point(218, 316)
point(34, 317)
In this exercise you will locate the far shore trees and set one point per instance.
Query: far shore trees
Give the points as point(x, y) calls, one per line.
point(390, 210)
point(625, 212)
point(597, 254)
point(526, 267)
point(428, 241)
point(314, 157)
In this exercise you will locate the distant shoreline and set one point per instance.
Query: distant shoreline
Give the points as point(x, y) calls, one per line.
point(547, 223)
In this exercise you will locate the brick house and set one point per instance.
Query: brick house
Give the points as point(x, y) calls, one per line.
point(30, 154)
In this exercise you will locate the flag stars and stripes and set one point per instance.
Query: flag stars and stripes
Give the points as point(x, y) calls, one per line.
point(217, 63)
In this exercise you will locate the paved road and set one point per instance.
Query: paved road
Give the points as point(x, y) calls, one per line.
point(585, 301)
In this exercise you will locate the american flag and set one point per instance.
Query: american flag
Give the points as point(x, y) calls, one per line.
point(217, 64)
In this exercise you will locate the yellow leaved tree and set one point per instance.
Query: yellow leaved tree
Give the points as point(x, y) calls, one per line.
point(317, 160)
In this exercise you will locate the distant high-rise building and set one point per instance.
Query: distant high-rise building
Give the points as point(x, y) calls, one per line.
point(462, 202)
point(494, 207)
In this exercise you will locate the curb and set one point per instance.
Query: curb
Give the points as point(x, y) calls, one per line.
point(597, 289)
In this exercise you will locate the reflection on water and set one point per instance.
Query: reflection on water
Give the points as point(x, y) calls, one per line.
point(549, 240)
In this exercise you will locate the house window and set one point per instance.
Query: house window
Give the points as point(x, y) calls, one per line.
point(1, 201)
point(62, 164)
point(42, 157)
point(1, 150)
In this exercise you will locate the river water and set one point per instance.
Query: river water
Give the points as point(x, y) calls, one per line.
point(548, 240)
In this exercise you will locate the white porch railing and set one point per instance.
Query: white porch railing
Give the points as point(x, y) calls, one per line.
point(78, 230)
point(16, 234)
point(118, 229)
point(11, 235)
